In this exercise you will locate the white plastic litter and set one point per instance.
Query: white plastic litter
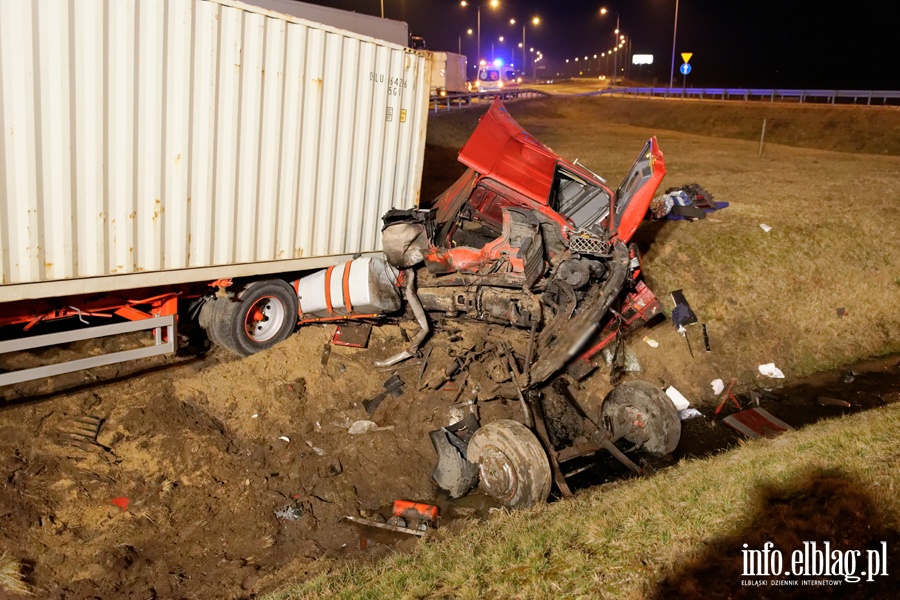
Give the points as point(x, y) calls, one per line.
point(360, 427)
point(718, 386)
point(689, 413)
point(650, 341)
point(677, 398)
point(770, 370)
point(284, 438)
point(318, 451)
point(254, 415)
point(765, 227)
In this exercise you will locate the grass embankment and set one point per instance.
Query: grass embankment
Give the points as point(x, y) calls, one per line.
point(673, 535)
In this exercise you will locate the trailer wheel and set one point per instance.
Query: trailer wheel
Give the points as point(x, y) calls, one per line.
point(261, 315)
point(643, 414)
point(512, 465)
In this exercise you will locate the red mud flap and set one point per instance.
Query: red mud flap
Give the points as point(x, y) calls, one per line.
point(756, 423)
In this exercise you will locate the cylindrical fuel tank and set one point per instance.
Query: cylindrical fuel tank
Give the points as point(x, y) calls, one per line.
point(362, 286)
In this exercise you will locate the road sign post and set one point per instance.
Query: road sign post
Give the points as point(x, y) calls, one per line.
point(685, 69)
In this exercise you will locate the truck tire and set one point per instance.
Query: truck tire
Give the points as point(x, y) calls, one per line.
point(513, 468)
point(261, 315)
point(641, 413)
point(206, 318)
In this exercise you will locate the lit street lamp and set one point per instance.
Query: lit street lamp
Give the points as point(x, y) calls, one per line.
point(534, 21)
point(603, 11)
point(492, 4)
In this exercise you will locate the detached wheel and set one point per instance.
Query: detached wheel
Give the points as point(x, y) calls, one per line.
point(513, 468)
point(643, 414)
point(261, 315)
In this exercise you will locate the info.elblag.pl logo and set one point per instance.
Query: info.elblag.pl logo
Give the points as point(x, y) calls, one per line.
point(825, 565)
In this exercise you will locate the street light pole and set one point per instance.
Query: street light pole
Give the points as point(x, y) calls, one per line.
point(674, 33)
point(523, 48)
point(492, 4)
point(603, 11)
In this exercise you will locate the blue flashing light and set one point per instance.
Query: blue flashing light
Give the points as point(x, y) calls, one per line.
point(498, 62)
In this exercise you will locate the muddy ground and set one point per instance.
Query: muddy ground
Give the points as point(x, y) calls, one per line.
point(194, 455)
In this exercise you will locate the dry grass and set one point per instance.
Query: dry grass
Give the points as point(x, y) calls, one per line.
point(673, 535)
point(11, 579)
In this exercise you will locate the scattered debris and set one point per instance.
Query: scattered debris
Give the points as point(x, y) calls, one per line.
point(729, 393)
point(424, 367)
point(682, 314)
point(326, 354)
point(827, 401)
point(755, 397)
point(755, 423)
point(681, 403)
point(842, 312)
point(290, 512)
point(352, 334)
point(689, 413)
point(706, 338)
point(765, 227)
point(82, 432)
point(650, 341)
point(393, 386)
point(122, 502)
point(254, 416)
point(416, 511)
point(318, 451)
point(770, 370)
point(360, 427)
point(689, 202)
point(718, 386)
point(285, 438)
point(626, 359)
point(388, 526)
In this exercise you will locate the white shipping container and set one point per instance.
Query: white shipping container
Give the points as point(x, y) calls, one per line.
point(154, 142)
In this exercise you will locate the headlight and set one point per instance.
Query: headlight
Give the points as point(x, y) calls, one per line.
point(519, 80)
point(443, 92)
point(501, 85)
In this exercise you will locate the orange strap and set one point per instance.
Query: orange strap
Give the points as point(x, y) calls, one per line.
point(346, 284)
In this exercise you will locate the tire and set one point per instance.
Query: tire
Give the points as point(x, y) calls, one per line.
point(641, 413)
point(260, 316)
point(207, 318)
point(512, 464)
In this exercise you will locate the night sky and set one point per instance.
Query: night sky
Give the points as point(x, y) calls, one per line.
point(736, 43)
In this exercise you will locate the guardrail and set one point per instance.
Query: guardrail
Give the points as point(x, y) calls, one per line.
point(867, 97)
point(467, 99)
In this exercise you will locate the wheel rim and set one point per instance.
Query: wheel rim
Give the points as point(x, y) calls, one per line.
point(498, 474)
point(264, 319)
point(632, 420)
point(642, 414)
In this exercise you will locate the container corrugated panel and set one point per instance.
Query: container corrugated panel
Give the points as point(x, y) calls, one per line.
point(153, 136)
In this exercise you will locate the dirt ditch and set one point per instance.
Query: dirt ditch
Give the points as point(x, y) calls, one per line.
point(208, 478)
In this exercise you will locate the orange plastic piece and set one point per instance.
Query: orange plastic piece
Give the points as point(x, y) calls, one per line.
point(415, 510)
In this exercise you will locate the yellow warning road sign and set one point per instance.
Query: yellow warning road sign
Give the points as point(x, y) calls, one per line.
point(686, 57)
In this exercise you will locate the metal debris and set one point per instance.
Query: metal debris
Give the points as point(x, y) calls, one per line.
point(756, 423)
